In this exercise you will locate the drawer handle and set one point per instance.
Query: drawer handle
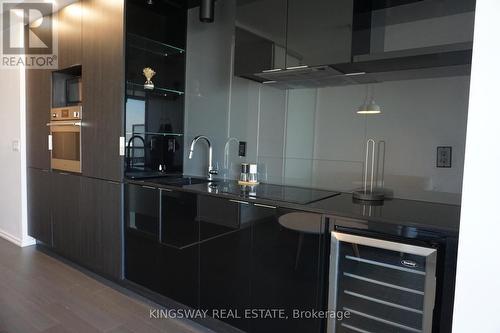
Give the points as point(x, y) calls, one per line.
point(148, 187)
point(166, 189)
point(240, 202)
point(264, 206)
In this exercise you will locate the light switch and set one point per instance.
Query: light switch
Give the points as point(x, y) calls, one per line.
point(16, 145)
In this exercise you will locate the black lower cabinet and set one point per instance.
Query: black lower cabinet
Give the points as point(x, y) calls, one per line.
point(232, 258)
point(142, 209)
point(39, 201)
point(225, 259)
point(287, 270)
point(179, 247)
point(141, 259)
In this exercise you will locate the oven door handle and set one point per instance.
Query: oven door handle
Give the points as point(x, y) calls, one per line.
point(65, 123)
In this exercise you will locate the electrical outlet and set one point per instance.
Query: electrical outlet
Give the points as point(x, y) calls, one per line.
point(16, 146)
point(242, 149)
point(443, 157)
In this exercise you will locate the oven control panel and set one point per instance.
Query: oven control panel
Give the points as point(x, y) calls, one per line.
point(66, 113)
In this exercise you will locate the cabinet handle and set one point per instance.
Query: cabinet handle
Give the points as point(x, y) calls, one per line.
point(264, 206)
point(148, 187)
point(240, 202)
point(49, 142)
point(166, 189)
point(122, 146)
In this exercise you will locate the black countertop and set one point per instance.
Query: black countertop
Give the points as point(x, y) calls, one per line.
point(397, 216)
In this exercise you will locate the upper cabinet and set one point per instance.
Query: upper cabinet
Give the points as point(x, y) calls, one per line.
point(69, 23)
point(319, 32)
point(260, 36)
point(103, 64)
point(302, 44)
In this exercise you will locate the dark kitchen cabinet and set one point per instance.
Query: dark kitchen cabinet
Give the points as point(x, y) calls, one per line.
point(39, 203)
point(319, 32)
point(287, 265)
point(103, 80)
point(162, 257)
point(280, 34)
point(142, 217)
point(70, 35)
point(101, 226)
point(65, 209)
point(179, 247)
point(38, 104)
point(225, 257)
point(260, 36)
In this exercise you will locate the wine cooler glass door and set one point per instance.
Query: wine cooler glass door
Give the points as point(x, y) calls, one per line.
point(381, 286)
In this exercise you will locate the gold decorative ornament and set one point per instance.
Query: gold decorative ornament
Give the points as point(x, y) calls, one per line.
point(149, 73)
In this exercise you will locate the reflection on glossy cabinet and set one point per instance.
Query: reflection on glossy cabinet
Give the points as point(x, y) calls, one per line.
point(287, 268)
point(141, 235)
point(225, 257)
point(179, 246)
point(39, 202)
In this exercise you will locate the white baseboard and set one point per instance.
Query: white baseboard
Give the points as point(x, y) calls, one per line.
point(16, 240)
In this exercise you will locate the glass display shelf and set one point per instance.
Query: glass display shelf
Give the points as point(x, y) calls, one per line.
point(136, 89)
point(152, 46)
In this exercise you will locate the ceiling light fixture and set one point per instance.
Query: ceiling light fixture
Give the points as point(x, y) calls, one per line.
point(207, 9)
point(369, 106)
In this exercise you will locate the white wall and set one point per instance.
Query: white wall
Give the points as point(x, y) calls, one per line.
point(13, 219)
point(478, 275)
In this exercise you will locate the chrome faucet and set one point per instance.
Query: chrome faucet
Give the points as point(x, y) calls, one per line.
point(211, 170)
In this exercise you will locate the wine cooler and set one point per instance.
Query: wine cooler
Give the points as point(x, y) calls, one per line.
point(381, 286)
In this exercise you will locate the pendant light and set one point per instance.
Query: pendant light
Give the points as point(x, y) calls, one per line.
point(369, 106)
point(207, 8)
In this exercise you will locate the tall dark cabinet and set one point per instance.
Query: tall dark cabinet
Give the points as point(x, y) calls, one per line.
point(103, 88)
point(79, 216)
point(38, 103)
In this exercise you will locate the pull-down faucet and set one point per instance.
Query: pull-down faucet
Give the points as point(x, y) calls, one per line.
point(211, 170)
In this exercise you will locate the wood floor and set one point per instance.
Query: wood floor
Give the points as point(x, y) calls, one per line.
point(39, 293)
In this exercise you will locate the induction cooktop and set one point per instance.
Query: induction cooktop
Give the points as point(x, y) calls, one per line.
point(291, 194)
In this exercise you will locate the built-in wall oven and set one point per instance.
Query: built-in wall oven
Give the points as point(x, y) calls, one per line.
point(65, 138)
point(384, 286)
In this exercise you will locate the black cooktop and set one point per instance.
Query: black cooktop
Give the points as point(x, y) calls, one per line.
point(291, 194)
